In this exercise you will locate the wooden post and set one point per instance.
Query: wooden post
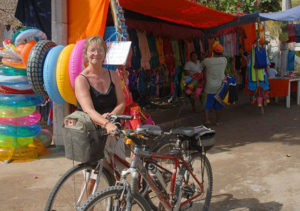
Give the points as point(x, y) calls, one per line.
point(59, 27)
point(113, 7)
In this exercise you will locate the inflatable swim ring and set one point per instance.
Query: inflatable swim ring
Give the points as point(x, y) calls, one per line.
point(45, 136)
point(20, 131)
point(49, 75)
point(19, 31)
point(14, 112)
point(23, 153)
point(30, 34)
point(19, 87)
point(9, 141)
point(31, 119)
point(35, 66)
point(7, 90)
point(62, 75)
point(26, 50)
point(13, 80)
point(10, 71)
point(14, 63)
point(17, 100)
point(76, 63)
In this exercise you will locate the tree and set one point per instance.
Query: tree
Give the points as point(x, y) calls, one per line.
point(243, 6)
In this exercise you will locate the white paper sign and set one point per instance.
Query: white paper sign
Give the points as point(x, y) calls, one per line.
point(117, 52)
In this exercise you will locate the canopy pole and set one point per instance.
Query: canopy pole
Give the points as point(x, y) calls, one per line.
point(113, 7)
point(59, 28)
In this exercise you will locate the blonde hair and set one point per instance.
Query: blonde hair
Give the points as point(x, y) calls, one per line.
point(94, 39)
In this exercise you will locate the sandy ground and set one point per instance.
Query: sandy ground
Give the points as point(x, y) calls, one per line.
point(256, 163)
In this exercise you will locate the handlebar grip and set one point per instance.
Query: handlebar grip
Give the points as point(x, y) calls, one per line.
point(118, 117)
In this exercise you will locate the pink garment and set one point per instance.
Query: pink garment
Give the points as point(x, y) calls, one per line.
point(144, 49)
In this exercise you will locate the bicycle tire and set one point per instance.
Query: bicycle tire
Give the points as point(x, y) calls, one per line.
point(205, 202)
point(91, 202)
point(52, 199)
point(209, 176)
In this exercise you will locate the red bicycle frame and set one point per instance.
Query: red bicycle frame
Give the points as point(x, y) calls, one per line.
point(177, 161)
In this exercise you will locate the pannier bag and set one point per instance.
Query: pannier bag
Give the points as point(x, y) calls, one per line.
point(84, 141)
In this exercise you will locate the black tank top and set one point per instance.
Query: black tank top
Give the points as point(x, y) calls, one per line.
point(103, 103)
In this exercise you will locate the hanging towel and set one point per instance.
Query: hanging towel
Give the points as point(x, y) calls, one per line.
point(291, 61)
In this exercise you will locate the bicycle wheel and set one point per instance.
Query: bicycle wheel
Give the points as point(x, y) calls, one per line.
point(109, 199)
point(66, 193)
point(202, 170)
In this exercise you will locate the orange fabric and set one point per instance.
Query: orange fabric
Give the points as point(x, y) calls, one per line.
point(86, 18)
point(218, 48)
point(279, 87)
point(251, 35)
point(179, 11)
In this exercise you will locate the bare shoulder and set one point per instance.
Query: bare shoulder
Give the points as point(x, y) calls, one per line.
point(114, 75)
point(80, 80)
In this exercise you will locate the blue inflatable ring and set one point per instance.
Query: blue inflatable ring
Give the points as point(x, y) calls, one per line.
point(16, 100)
point(49, 75)
point(11, 71)
point(12, 80)
point(26, 86)
point(20, 131)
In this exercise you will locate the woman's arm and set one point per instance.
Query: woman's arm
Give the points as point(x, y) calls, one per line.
point(83, 96)
point(119, 92)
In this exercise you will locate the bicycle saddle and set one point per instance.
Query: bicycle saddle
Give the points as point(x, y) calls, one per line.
point(149, 130)
point(192, 131)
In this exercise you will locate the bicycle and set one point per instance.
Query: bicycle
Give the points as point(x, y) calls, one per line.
point(70, 190)
point(184, 185)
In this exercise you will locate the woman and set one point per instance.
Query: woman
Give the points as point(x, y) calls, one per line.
point(98, 90)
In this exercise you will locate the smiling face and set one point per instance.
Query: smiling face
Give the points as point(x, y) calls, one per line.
point(95, 53)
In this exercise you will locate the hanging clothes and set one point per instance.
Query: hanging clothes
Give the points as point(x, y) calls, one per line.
point(154, 60)
point(35, 13)
point(252, 84)
point(144, 49)
point(177, 52)
point(136, 54)
point(291, 61)
point(260, 57)
point(160, 49)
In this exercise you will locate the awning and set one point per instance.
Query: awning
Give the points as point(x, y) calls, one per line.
point(179, 11)
point(292, 14)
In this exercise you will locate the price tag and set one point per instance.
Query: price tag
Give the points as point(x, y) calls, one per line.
point(117, 52)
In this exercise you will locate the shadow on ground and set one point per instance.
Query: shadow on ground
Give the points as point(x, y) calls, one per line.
point(226, 202)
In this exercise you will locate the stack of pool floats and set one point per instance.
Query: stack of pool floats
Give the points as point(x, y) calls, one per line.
point(33, 68)
point(19, 119)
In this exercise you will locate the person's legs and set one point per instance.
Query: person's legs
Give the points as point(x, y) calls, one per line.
point(206, 114)
point(218, 108)
point(208, 107)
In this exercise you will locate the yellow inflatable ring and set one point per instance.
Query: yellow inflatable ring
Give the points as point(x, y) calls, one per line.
point(23, 153)
point(62, 75)
point(15, 64)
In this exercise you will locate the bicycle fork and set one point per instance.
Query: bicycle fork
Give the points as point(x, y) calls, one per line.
point(87, 175)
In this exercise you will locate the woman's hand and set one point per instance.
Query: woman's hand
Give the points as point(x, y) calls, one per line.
point(110, 128)
point(105, 115)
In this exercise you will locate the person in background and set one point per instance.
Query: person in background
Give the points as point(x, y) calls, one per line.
point(193, 80)
point(272, 72)
point(214, 68)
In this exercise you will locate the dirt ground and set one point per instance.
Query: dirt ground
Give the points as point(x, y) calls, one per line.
point(256, 162)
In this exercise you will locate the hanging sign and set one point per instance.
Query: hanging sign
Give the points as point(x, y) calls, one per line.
point(117, 53)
